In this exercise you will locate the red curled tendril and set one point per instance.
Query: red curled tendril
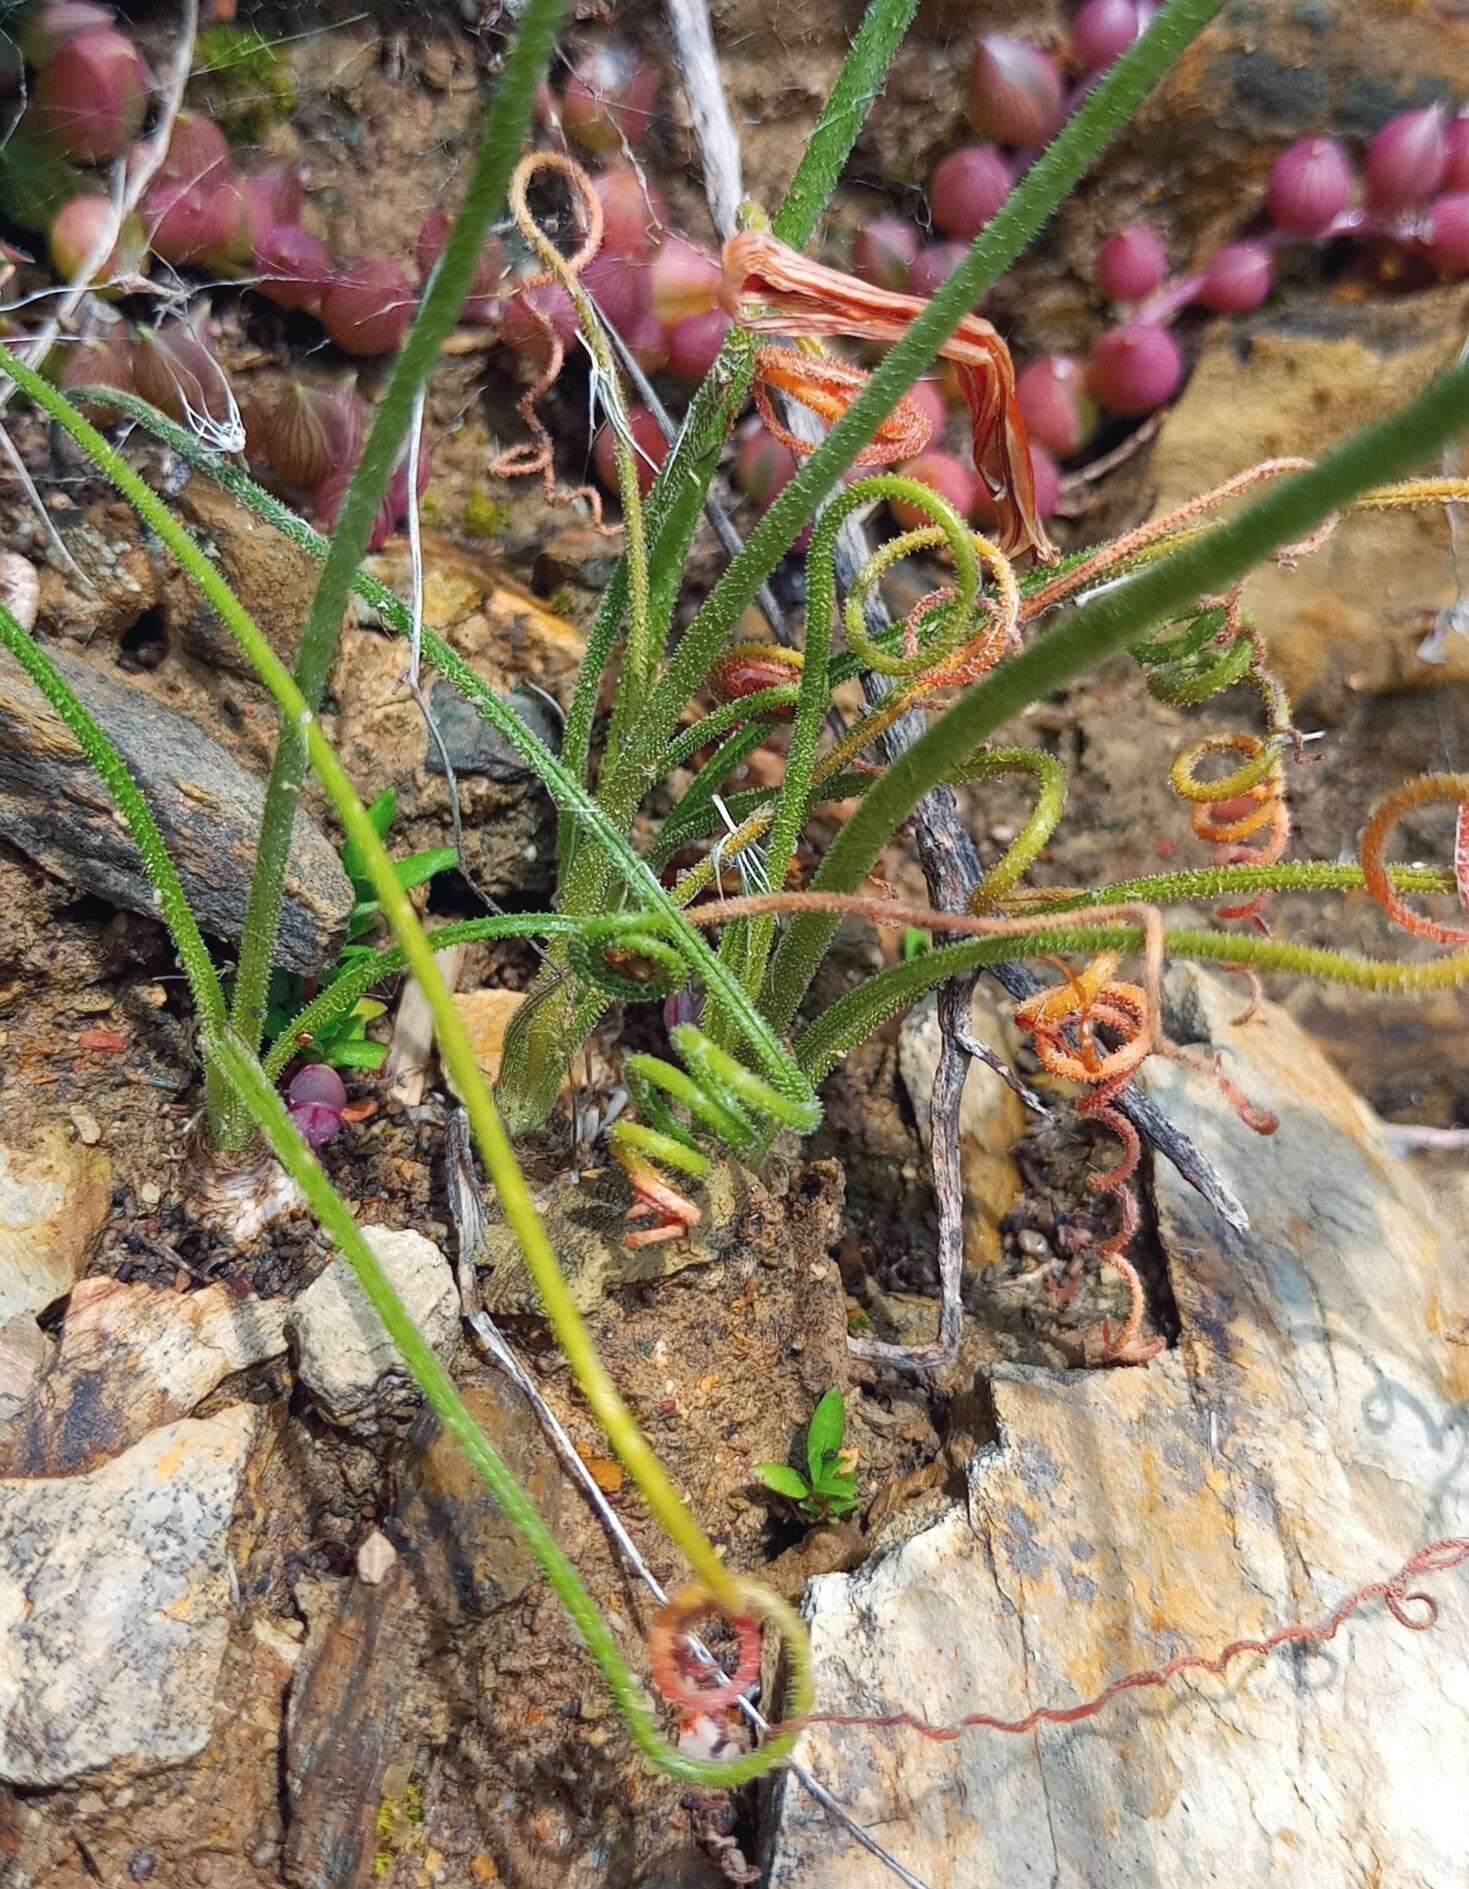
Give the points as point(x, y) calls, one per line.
point(676, 1673)
point(538, 454)
point(1426, 790)
point(1438, 1557)
point(1089, 1000)
point(828, 388)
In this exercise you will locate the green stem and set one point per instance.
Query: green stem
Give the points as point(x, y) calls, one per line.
point(1286, 514)
point(541, 1042)
point(795, 793)
point(1219, 882)
point(504, 133)
point(640, 654)
point(677, 497)
point(728, 715)
point(266, 1109)
point(643, 884)
point(455, 1050)
point(854, 1017)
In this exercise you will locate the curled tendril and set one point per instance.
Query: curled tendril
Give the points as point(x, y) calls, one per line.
point(828, 388)
point(721, 1096)
point(1216, 649)
point(1426, 790)
point(676, 1673)
point(1062, 1023)
point(636, 957)
point(537, 456)
point(1045, 816)
point(675, 1670)
point(966, 632)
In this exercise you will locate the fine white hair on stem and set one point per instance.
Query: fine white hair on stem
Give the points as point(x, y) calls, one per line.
point(749, 861)
point(415, 539)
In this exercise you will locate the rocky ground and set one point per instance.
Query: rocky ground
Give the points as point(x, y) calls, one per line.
point(260, 1624)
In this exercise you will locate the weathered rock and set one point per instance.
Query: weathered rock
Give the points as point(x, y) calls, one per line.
point(54, 1200)
point(587, 1222)
point(345, 1356)
point(1300, 1440)
point(508, 638)
point(991, 1116)
point(124, 583)
point(24, 1349)
point(486, 1015)
point(343, 1729)
point(55, 809)
point(474, 746)
point(133, 1357)
point(115, 1604)
point(272, 577)
point(1291, 382)
point(465, 1558)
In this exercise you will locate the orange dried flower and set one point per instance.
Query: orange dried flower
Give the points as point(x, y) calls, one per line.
point(771, 288)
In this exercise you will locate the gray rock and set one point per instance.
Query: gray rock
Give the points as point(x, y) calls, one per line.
point(465, 1558)
point(24, 1349)
point(115, 1604)
point(1305, 1436)
point(54, 1200)
point(344, 1354)
point(133, 1357)
point(474, 747)
point(55, 809)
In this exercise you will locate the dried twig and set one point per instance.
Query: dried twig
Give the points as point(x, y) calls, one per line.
point(719, 146)
point(27, 485)
point(466, 1207)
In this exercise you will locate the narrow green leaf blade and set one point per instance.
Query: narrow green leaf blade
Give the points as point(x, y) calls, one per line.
point(420, 867)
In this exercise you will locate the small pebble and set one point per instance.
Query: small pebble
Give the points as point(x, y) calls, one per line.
point(150, 1193)
point(141, 1865)
point(20, 588)
point(375, 1558)
point(89, 1129)
point(1034, 1245)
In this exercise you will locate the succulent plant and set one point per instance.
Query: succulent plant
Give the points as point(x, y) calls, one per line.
point(1014, 93)
point(91, 95)
point(366, 307)
point(1135, 368)
point(966, 189)
point(315, 1101)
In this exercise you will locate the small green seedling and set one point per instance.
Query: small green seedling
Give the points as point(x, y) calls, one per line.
point(915, 943)
point(829, 1490)
point(345, 1043)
